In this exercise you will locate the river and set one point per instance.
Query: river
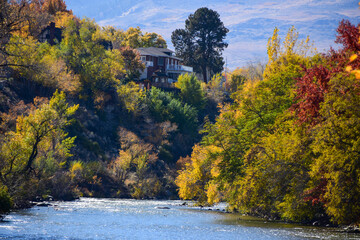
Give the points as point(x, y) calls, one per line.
point(90, 218)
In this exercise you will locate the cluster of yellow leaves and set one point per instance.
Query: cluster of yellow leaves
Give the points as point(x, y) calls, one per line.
point(291, 47)
point(76, 170)
point(134, 154)
point(62, 19)
point(349, 68)
point(39, 141)
point(134, 38)
point(39, 63)
point(131, 167)
point(195, 181)
point(121, 165)
point(131, 96)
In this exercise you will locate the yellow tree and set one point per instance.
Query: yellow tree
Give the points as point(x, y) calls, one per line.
point(132, 97)
point(196, 181)
point(39, 145)
point(39, 63)
point(153, 40)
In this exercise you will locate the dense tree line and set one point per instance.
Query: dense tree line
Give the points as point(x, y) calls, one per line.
point(74, 123)
point(287, 147)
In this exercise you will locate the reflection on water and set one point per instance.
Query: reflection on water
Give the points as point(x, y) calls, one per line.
point(91, 218)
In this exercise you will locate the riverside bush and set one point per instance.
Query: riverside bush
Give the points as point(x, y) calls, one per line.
point(5, 201)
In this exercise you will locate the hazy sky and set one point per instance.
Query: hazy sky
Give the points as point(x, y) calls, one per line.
point(250, 23)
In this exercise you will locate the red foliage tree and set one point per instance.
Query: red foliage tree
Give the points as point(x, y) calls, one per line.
point(348, 36)
point(310, 92)
point(315, 195)
point(312, 87)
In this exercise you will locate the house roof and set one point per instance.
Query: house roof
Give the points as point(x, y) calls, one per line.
point(157, 52)
point(50, 33)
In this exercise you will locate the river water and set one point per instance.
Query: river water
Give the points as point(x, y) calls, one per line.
point(90, 218)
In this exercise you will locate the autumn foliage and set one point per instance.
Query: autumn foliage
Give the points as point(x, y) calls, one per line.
point(48, 149)
point(312, 87)
point(288, 146)
point(284, 144)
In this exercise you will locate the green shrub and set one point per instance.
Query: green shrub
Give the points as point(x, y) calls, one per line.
point(5, 201)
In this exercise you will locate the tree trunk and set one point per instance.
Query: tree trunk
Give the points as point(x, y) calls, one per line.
point(32, 156)
point(204, 74)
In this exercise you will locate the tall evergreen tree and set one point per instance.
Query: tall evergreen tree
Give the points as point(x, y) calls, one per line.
point(201, 43)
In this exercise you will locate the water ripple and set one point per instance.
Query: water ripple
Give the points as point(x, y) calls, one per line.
point(90, 218)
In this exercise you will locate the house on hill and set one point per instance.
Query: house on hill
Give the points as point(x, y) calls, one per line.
point(162, 67)
point(51, 34)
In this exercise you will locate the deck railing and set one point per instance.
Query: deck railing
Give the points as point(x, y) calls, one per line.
point(149, 64)
point(179, 68)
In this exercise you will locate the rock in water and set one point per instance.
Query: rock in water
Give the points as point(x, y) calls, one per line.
point(162, 207)
point(43, 204)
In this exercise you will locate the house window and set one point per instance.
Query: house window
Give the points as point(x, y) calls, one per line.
point(161, 61)
point(156, 80)
point(143, 59)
